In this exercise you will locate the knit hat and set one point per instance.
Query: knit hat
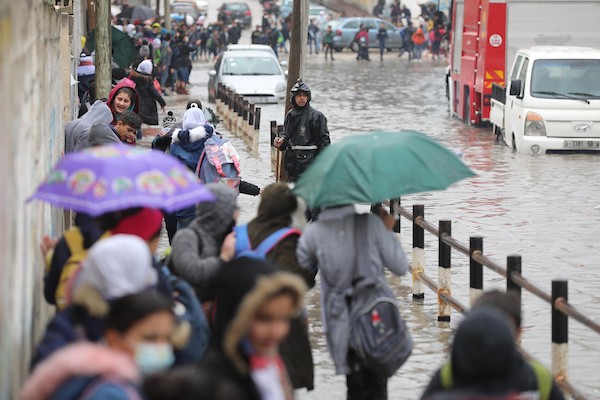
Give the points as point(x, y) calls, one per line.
point(145, 67)
point(156, 25)
point(145, 224)
point(144, 51)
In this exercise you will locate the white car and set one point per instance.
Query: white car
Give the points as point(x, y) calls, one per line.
point(255, 74)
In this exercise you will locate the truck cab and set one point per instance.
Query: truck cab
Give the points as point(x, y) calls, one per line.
point(551, 101)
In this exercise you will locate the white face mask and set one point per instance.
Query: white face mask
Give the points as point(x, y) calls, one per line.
point(153, 357)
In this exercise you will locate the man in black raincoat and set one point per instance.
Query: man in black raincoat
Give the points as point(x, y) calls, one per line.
point(305, 133)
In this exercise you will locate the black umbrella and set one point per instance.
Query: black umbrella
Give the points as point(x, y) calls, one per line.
point(142, 12)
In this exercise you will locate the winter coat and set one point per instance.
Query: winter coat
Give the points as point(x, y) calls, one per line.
point(303, 126)
point(329, 245)
point(111, 99)
point(275, 212)
point(485, 363)
point(196, 249)
point(77, 131)
point(84, 368)
point(148, 95)
point(418, 37)
point(166, 54)
point(242, 286)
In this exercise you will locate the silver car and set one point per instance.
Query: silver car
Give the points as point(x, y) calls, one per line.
point(345, 30)
point(255, 74)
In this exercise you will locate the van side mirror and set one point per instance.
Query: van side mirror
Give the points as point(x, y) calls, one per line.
point(516, 88)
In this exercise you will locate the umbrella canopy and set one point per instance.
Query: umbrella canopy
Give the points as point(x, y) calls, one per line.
point(115, 177)
point(378, 166)
point(142, 12)
point(123, 48)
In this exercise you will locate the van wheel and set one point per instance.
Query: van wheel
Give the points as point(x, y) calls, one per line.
point(514, 143)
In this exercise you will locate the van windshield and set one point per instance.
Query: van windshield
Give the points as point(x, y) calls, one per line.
point(566, 79)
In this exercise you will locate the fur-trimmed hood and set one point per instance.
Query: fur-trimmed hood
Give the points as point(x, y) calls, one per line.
point(74, 361)
point(187, 145)
point(184, 136)
point(242, 286)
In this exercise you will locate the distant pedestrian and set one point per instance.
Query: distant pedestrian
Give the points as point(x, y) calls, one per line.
point(418, 39)
point(395, 12)
point(256, 33)
point(328, 42)
point(382, 36)
point(235, 32)
point(147, 93)
point(313, 31)
point(330, 243)
point(407, 43)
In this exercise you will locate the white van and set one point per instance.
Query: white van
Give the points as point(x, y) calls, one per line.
point(551, 101)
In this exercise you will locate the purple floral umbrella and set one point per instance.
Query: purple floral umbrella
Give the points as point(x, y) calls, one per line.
point(115, 177)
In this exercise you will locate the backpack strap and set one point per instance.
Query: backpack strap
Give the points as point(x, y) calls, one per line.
point(446, 376)
point(242, 239)
point(202, 155)
point(544, 379)
point(273, 240)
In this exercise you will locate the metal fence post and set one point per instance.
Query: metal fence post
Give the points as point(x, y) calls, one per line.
point(560, 331)
point(418, 253)
point(444, 271)
point(475, 269)
point(513, 264)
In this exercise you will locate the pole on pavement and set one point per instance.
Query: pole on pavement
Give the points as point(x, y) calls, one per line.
point(168, 15)
point(103, 60)
point(298, 39)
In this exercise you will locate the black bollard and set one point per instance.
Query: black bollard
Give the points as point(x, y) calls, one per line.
point(475, 269)
point(513, 264)
point(560, 331)
point(418, 253)
point(444, 271)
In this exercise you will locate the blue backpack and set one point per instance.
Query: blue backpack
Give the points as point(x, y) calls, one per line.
point(243, 248)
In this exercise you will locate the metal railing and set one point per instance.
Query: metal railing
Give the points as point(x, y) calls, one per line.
point(561, 310)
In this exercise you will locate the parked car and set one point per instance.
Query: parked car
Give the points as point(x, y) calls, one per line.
point(346, 28)
point(200, 5)
point(255, 74)
point(314, 10)
point(184, 11)
point(250, 47)
point(236, 11)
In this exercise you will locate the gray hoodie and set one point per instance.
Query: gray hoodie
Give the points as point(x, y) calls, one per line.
point(76, 131)
point(197, 248)
point(101, 134)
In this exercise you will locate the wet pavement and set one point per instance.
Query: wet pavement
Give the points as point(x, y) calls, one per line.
point(540, 207)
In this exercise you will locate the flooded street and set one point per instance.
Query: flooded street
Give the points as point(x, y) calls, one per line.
point(540, 207)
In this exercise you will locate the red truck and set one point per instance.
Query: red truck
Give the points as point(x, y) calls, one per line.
point(486, 35)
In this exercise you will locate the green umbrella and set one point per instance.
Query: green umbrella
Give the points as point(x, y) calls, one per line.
point(123, 48)
point(377, 166)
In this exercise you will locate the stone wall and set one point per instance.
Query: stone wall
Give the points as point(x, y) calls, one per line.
point(36, 96)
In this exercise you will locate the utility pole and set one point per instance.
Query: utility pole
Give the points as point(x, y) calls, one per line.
point(103, 60)
point(168, 15)
point(298, 39)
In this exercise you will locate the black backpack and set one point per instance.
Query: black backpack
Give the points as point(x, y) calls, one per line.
point(379, 337)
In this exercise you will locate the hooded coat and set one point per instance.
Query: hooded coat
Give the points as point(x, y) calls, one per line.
point(68, 373)
point(331, 246)
point(196, 249)
point(275, 212)
point(135, 107)
point(77, 131)
point(101, 134)
point(485, 362)
point(242, 287)
point(148, 96)
point(305, 134)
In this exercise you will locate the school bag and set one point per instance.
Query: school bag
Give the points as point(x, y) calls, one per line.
point(219, 162)
point(74, 240)
point(243, 247)
point(379, 337)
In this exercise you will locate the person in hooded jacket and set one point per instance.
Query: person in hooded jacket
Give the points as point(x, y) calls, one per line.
point(77, 131)
point(201, 249)
point(254, 305)
point(305, 132)
point(123, 97)
point(278, 209)
point(136, 342)
point(147, 93)
point(485, 362)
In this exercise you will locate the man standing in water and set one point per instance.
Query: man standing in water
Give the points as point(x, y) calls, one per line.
point(305, 133)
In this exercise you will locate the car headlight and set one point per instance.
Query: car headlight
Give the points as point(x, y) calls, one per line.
point(280, 87)
point(534, 125)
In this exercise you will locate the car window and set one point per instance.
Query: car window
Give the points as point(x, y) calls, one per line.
point(237, 7)
point(515, 70)
point(256, 65)
point(523, 73)
point(388, 26)
point(371, 24)
point(353, 24)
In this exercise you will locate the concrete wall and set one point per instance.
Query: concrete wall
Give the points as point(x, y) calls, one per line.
point(34, 63)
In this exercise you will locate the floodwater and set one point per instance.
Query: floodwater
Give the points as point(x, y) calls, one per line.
point(541, 207)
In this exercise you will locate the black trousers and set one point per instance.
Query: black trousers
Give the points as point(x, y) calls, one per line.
point(366, 385)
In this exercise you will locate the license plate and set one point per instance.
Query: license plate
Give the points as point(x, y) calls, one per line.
point(581, 144)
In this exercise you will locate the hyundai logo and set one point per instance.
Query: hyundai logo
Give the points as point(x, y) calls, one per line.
point(581, 127)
